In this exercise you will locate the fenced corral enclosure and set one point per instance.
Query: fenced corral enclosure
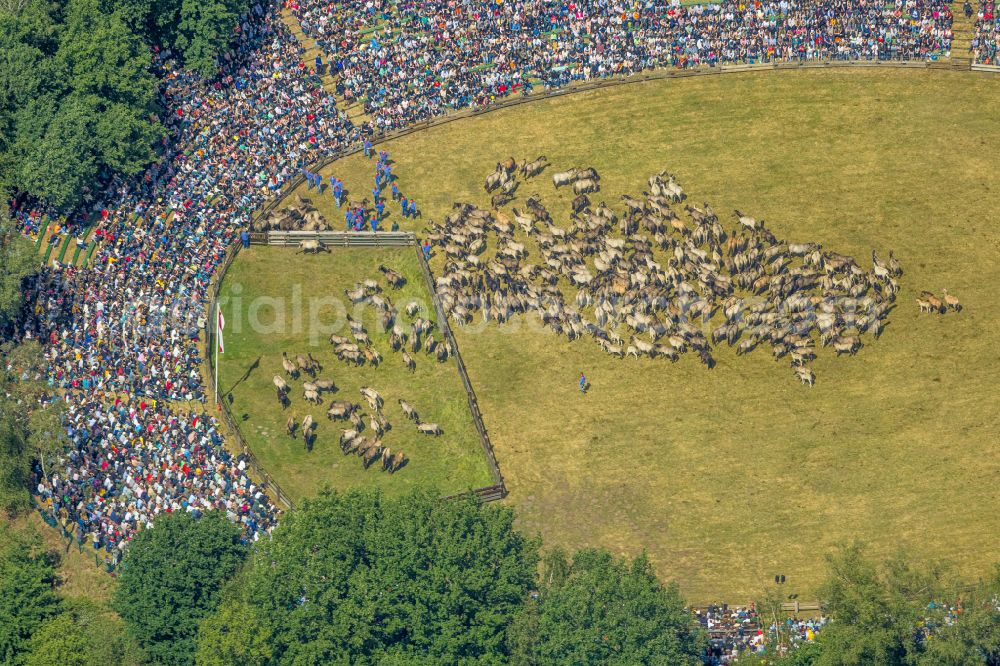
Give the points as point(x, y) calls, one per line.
point(400, 239)
point(248, 403)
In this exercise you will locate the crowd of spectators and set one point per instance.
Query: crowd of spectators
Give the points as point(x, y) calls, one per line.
point(130, 460)
point(735, 630)
point(33, 217)
point(122, 336)
point(131, 323)
point(986, 38)
point(409, 61)
point(730, 630)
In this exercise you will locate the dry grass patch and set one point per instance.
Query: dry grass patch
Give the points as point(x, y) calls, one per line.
point(80, 577)
point(726, 477)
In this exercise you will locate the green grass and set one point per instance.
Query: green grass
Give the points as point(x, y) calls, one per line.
point(65, 246)
point(454, 462)
point(90, 252)
point(47, 254)
point(727, 477)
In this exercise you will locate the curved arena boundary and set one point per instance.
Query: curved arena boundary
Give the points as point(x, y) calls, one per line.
point(590, 86)
point(222, 219)
point(846, 157)
point(499, 490)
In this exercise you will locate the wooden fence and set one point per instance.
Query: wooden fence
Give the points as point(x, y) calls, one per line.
point(498, 490)
point(336, 238)
point(794, 607)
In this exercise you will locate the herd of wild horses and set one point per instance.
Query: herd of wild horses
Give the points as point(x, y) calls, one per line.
point(402, 337)
point(656, 276)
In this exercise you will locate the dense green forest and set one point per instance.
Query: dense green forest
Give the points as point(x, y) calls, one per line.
point(358, 578)
point(78, 90)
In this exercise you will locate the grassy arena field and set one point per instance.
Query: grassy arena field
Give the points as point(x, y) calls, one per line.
point(728, 477)
point(283, 293)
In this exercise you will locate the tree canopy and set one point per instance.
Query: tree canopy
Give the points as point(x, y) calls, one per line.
point(204, 30)
point(975, 638)
point(77, 92)
point(171, 579)
point(31, 428)
point(78, 100)
point(38, 627)
point(18, 260)
point(357, 578)
point(84, 634)
point(27, 594)
point(198, 30)
point(894, 613)
point(597, 609)
point(363, 579)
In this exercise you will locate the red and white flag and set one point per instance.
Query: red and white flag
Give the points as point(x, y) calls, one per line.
point(221, 326)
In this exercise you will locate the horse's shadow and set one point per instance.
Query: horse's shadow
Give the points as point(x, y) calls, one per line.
point(246, 375)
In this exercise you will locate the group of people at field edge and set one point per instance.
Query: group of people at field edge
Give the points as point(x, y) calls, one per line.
point(366, 214)
point(410, 61)
point(986, 39)
point(736, 629)
point(33, 218)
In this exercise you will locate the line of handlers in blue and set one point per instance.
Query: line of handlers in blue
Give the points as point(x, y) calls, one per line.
point(367, 213)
